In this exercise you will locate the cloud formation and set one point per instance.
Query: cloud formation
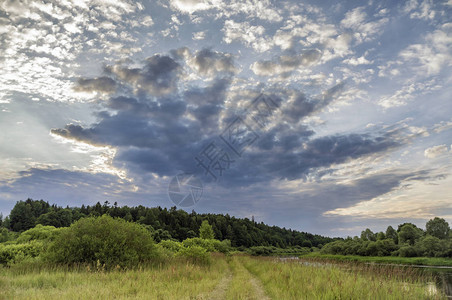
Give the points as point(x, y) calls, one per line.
point(160, 130)
point(134, 92)
point(435, 151)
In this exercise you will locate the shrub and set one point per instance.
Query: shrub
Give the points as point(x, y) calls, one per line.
point(223, 246)
point(110, 242)
point(13, 253)
point(336, 247)
point(262, 250)
point(170, 245)
point(6, 235)
point(39, 232)
point(195, 254)
point(408, 251)
point(208, 245)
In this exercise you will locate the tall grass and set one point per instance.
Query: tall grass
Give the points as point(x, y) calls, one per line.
point(428, 261)
point(237, 277)
point(292, 279)
point(177, 279)
point(241, 285)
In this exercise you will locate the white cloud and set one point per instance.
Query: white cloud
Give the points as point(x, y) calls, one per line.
point(249, 35)
point(200, 35)
point(411, 199)
point(190, 6)
point(408, 92)
point(260, 9)
point(423, 11)
point(40, 55)
point(363, 31)
point(435, 151)
point(313, 33)
point(434, 54)
point(443, 125)
point(355, 61)
point(285, 64)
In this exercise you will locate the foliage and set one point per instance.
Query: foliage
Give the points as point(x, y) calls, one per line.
point(392, 234)
point(24, 214)
point(438, 228)
point(6, 235)
point(195, 254)
point(39, 232)
point(105, 240)
point(206, 231)
point(368, 235)
point(56, 218)
point(161, 235)
point(262, 250)
point(14, 253)
point(172, 246)
point(166, 223)
point(407, 241)
point(409, 233)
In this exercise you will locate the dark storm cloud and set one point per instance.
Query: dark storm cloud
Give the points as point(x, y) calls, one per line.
point(160, 129)
point(317, 198)
point(211, 62)
point(158, 77)
point(207, 103)
point(294, 159)
point(299, 106)
point(207, 62)
point(99, 84)
point(75, 132)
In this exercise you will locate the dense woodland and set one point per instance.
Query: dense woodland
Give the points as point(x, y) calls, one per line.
point(174, 224)
point(407, 241)
point(164, 224)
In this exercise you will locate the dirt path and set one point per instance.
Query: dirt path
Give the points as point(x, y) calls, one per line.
point(259, 290)
point(252, 288)
point(221, 289)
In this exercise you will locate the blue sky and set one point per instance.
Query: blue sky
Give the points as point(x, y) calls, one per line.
point(109, 100)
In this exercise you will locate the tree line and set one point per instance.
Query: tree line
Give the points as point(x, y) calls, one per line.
point(164, 224)
point(407, 241)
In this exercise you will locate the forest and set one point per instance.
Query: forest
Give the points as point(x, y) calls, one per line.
point(177, 225)
point(407, 241)
point(163, 223)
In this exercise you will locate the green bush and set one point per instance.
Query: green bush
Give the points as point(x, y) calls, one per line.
point(408, 251)
point(208, 245)
point(170, 245)
point(14, 253)
point(6, 235)
point(103, 240)
point(223, 246)
point(262, 250)
point(195, 254)
point(39, 232)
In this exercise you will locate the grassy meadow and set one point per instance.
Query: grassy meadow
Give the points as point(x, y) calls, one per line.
point(226, 277)
point(426, 261)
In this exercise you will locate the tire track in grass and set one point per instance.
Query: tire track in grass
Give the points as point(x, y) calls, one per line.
point(244, 285)
point(258, 288)
point(221, 289)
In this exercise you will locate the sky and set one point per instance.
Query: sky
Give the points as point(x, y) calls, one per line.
point(321, 116)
